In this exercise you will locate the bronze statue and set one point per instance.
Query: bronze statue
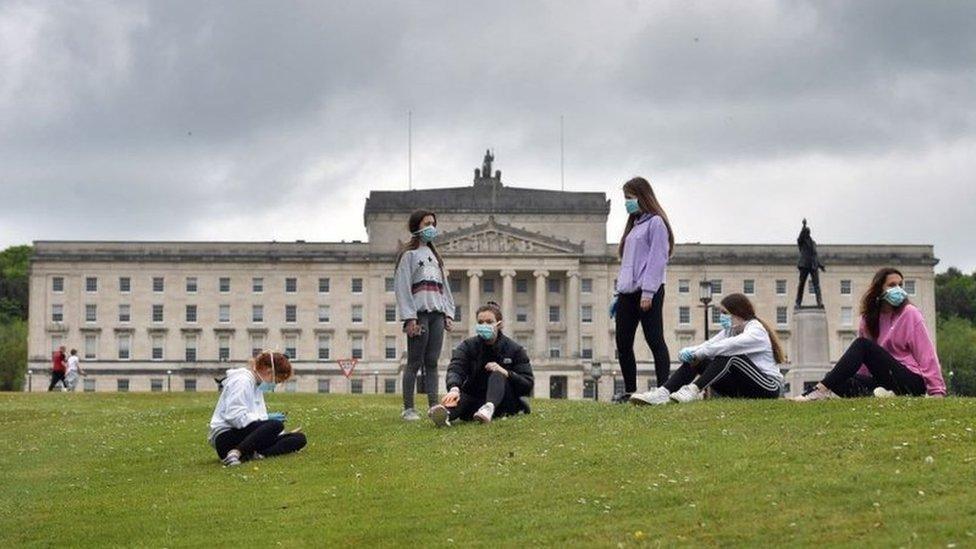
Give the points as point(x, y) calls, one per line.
point(809, 266)
point(486, 165)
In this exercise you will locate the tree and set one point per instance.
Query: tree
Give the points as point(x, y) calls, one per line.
point(955, 294)
point(957, 353)
point(13, 355)
point(14, 264)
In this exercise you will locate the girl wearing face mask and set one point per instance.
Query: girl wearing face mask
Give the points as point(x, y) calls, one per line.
point(241, 427)
point(489, 375)
point(893, 353)
point(425, 305)
point(644, 251)
point(741, 361)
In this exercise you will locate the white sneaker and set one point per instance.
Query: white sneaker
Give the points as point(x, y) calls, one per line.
point(485, 412)
point(688, 393)
point(659, 395)
point(438, 414)
point(410, 415)
point(232, 459)
point(881, 392)
point(817, 394)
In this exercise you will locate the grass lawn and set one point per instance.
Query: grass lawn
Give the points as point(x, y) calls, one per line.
point(135, 469)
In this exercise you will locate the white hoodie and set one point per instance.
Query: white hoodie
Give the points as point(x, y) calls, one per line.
point(239, 405)
point(753, 342)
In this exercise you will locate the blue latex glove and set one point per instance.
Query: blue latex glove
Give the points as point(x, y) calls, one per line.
point(613, 307)
point(276, 415)
point(686, 356)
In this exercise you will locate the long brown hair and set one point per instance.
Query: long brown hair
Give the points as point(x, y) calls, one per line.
point(640, 188)
point(414, 225)
point(282, 366)
point(871, 300)
point(740, 306)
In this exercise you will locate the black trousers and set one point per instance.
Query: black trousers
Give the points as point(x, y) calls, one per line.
point(422, 353)
point(264, 437)
point(814, 280)
point(500, 392)
point(730, 376)
point(885, 372)
point(629, 315)
point(57, 377)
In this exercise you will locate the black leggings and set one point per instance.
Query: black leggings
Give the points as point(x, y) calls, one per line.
point(57, 377)
point(264, 437)
point(500, 392)
point(629, 315)
point(885, 372)
point(730, 376)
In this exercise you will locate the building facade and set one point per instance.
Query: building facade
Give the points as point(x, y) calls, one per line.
point(161, 316)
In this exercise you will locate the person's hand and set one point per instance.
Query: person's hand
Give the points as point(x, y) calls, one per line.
point(494, 367)
point(280, 416)
point(448, 324)
point(412, 329)
point(452, 397)
point(645, 304)
point(686, 355)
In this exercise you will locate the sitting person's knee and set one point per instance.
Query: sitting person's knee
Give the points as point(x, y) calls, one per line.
point(300, 440)
point(497, 375)
point(277, 424)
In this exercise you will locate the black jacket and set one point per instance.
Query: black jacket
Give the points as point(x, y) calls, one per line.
point(467, 368)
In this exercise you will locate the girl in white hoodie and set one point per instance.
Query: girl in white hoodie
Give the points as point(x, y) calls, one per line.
point(241, 427)
point(741, 361)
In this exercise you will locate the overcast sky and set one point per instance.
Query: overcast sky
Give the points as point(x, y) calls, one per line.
point(273, 120)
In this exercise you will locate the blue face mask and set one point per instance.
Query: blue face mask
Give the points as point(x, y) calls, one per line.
point(895, 296)
point(486, 331)
point(269, 386)
point(428, 233)
point(632, 206)
point(725, 320)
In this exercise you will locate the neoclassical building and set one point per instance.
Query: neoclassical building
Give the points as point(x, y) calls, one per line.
point(160, 316)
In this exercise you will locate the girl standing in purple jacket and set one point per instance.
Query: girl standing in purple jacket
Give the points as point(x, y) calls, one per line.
point(644, 250)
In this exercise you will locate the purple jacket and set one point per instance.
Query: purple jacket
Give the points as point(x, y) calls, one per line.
point(645, 262)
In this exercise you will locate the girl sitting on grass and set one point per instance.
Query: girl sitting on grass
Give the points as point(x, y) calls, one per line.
point(893, 354)
point(241, 427)
point(741, 361)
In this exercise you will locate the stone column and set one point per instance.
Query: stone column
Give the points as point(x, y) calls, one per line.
point(474, 296)
point(572, 314)
point(541, 314)
point(508, 296)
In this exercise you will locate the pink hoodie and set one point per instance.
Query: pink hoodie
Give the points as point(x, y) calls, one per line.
point(904, 335)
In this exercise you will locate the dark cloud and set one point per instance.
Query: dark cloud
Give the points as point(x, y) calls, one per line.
point(250, 120)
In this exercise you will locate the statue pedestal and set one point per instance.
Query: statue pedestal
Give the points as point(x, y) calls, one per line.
point(809, 349)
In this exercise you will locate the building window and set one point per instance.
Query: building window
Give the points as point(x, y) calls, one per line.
point(558, 386)
point(57, 284)
point(122, 385)
point(390, 347)
point(223, 313)
point(554, 313)
point(291, 285)
point(357, 347)
point(190, 385)
point(157, 347)
point(586, 350)
point(91, 312)
point(846, 316)
point(555, 346)
point(357, 314)
point(125, 346)
point(91, 284)
point(521, 285)
point(324, 385)
point(749, 286)
point(191, 348)
point(780, 287)
point(845, 287)
point(716, 312)
point(488, 285)
point(357, 285)
point(223, 348)
point(324, 313)
point(555, 285)
point(291, 313)
point(717, 286)
point(586, 314)
point(257, 313)
point(521, 313)
point(684, 286)
point(389, 385)
point(91, 347)
point(257, 285)
point(125, 284)
point(291, 347)
point(323, 285)
point(356, 386)
point(56, 342)
point(57, 313)
point(388, 284)
point(781, 316)
point(156, 385)
point(586, 285)
point(390, 313)
point(589, 388)
point(684, 315)
point(158, 285)
point(125, 312)
point(810, 289)
point(257, 344)
point(325, 344)
point(157, 313)
point(455, 283)
point(910, 286)
point(89, 385)
point(457, 313)
point(223, 285)
point(618, 385)
point(191, 313)
point(191, 285)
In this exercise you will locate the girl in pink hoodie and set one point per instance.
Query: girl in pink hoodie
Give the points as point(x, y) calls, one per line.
point(893, 350)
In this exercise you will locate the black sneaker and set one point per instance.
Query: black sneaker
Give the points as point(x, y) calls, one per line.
point(620, 398)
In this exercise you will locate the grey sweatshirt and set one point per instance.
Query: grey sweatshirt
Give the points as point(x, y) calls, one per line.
point(420, 287)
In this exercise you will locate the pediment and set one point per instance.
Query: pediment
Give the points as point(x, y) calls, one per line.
point(500, 239)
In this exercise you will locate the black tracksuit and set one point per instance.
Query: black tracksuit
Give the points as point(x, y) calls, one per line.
point(467, 373)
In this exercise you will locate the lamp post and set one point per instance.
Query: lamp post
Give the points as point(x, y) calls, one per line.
point(376, 382)
point(705, 296)
point(30, 381)
point(596, 372)
point(169, 381)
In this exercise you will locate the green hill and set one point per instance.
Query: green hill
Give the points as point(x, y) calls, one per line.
point(135, 469)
